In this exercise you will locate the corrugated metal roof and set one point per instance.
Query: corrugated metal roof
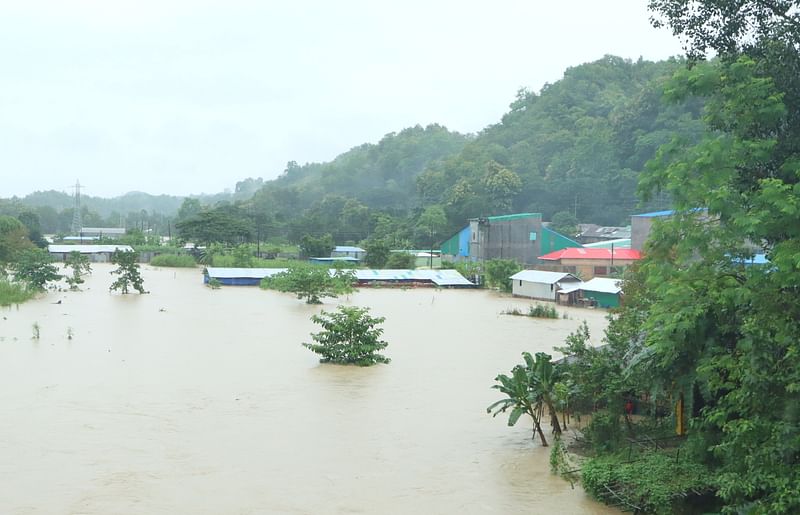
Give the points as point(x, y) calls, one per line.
point(622, 243)
point(104, 230)
point(603, 285)
point(542, 276)
point(438, 277)
point(592, 253)
point(653, 214)
point(515, 216)
point(87, 249)
point(242, 273)
point(598, 284)
point(346, 248)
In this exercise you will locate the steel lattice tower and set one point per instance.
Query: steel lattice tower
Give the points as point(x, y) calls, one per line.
point(77, 223)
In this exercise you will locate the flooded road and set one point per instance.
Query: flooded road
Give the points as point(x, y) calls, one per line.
point(190, 400)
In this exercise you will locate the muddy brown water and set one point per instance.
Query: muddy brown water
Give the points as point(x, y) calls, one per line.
point(189, 400)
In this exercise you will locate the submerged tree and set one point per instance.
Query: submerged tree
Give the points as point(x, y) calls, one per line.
point(350, 336)
point(128, 270)
point(35, 268)
point(79, 263)
point(311, 282)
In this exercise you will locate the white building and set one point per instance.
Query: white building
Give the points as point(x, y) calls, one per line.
point(539, 284)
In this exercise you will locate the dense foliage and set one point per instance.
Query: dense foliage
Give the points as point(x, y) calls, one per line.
point(311, 282)
point(79, 263)
point(128, 272)
point(35, 268)
point(174, 260)
point(350, 336)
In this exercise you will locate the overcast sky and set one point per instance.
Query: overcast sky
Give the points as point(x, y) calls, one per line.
point(184, 97)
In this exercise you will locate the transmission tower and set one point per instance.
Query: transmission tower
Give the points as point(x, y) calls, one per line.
point(77, 223)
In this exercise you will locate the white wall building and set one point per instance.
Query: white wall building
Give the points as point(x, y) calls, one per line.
point(539, 284)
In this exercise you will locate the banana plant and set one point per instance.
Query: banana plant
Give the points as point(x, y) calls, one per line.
point(522, 400)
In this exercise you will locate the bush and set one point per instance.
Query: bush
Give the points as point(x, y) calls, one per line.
point(537, 311)
point(174, 260)
point(311, 282)
point(219, 260)
point(12, 292)
point(499, 271)
point(652, 483)
point(400, 261)
point(604, 432)
point(542, 311)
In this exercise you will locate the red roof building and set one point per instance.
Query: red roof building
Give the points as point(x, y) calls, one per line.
point(591, 262)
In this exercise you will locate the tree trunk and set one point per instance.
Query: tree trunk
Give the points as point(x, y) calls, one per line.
point(538, 429)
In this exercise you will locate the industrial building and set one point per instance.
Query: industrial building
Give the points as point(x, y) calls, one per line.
point(521, 237)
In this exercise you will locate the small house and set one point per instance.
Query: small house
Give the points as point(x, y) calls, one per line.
point(539, 284)
point(601, 292)
point(341, 251)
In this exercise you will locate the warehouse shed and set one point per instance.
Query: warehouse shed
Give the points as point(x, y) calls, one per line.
point(253, 276)
point(96, 253)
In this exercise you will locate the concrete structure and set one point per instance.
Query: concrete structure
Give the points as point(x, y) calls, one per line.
point(514, 237)
point(642, 224)
point(253, 276)
point(348, 251)
point(588, 262)
point(521, 237)
point(96, 253)
point(539, 284)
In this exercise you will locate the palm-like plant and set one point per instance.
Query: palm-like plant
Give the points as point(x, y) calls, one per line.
point(530, 389)
point(522, 400)
point(543, 384)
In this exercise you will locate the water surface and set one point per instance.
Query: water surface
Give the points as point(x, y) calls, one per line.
point(189, 400)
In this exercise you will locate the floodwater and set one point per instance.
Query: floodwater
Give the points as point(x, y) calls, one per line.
point(189, 400)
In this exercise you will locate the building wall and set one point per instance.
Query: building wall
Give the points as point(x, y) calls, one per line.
point(604, 299)
point(506, 238)
point(552, 241)
point(95, 257)
point(585, 268)
point(456, 248)
point(533, 290)
point(640, 229)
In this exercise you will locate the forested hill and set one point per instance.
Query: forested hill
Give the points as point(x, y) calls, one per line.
point(379, 175)
point(578, 145)
point(575, 147)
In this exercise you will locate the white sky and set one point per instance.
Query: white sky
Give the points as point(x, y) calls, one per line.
point(184, 97)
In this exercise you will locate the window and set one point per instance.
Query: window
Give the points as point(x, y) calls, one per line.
point(520, 282)
point(600, 270)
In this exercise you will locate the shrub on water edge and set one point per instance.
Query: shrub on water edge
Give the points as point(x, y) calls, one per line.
point(541, 311)
point(12, 292)
point(537, 311)
point(173, 260)
point(653, 482)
